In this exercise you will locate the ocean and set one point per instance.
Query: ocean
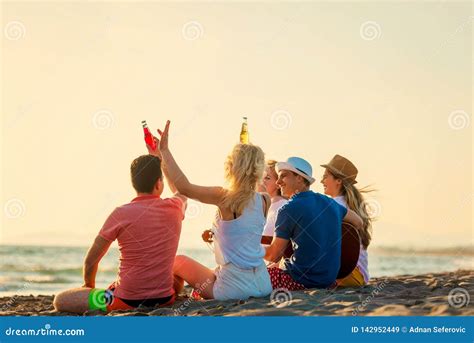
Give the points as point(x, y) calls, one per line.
point(39, 270)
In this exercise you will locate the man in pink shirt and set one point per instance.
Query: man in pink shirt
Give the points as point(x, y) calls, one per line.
point(147, 230)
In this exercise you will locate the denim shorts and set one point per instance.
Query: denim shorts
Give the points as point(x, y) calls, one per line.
point(233, 282)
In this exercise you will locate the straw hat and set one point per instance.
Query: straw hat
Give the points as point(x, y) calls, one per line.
point(342, 167)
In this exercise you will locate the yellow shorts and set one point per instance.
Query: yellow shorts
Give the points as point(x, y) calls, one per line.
point(354, 279)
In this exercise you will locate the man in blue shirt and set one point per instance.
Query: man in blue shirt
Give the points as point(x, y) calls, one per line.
point(312, 222)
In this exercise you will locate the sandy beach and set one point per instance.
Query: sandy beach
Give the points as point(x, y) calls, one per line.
point(404, 295)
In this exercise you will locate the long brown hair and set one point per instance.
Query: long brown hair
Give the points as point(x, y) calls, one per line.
point(356, 202)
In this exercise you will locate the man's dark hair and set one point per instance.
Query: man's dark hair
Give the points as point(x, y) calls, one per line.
point(306, 182)
point(145, 171)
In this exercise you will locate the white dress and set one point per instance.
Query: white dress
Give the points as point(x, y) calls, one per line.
point(269, 229)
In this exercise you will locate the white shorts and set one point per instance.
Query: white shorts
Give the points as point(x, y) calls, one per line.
point(233, 282)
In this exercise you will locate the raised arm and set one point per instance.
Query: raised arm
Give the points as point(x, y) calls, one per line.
point(208, 195)
point(157, 153)
point(172, 186)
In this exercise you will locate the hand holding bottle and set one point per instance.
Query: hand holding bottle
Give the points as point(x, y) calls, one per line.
point(156, 151)
point(207, 236)
point(244, 132)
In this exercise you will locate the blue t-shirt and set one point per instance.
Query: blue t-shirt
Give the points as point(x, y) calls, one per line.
point(312, 222)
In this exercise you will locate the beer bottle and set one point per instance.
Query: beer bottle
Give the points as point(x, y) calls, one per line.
point(244, 133)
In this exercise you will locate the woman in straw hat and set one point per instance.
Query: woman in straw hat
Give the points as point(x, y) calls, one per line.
point(339, 181)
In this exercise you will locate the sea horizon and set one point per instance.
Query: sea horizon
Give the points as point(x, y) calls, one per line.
point(464, 250)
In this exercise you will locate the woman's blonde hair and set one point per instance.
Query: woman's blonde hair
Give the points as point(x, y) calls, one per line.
point(243, 171)
point(355, 201)
point(271, 164)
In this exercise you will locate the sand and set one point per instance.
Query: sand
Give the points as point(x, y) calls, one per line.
point(404, 295)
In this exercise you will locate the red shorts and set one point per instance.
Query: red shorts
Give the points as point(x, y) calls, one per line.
point(119, 304)
point(281, 279)
point(122, 304)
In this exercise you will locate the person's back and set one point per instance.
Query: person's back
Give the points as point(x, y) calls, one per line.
point(312, 222)
point(237, 241)
point(241, 271)
point(147, 231)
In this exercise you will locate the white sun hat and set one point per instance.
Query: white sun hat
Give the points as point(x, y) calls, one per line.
point(298, 166)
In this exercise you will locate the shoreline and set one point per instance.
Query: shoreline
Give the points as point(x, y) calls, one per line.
point(463, 250)
point(433, 294)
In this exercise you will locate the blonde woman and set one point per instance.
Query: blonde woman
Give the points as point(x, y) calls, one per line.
point(269, 185)
point(339, 181)
point(241, 271)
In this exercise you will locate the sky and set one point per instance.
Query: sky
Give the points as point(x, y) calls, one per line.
point(386, 84)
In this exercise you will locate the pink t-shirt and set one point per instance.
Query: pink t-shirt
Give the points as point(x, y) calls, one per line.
point(147, 230)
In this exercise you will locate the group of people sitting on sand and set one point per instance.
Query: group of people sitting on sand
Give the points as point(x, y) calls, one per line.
point(260, 199)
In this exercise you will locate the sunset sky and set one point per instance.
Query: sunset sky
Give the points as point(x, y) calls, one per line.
point(387, 85)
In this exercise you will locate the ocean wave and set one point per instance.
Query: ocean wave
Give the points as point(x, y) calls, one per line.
point(40, 269)
point(40, 250)
point(467, 250)
point(30, 281)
